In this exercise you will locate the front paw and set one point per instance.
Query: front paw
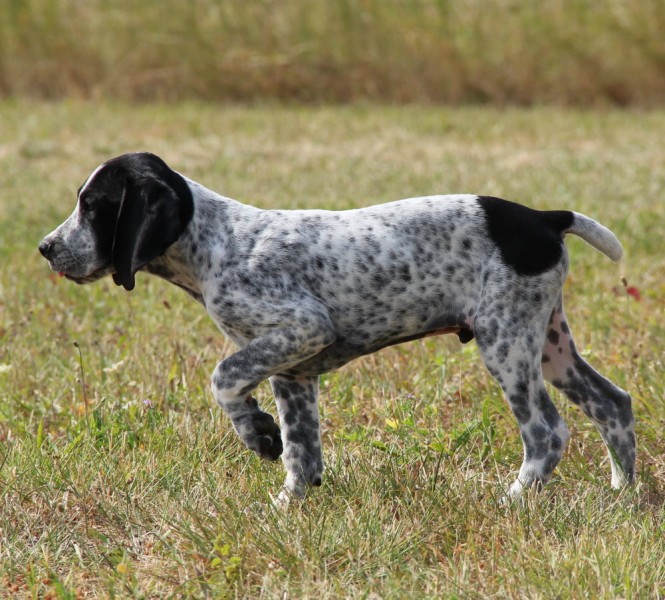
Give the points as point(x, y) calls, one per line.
point(262, 435)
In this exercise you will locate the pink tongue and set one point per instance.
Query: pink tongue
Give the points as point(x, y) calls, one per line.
point(61, 274)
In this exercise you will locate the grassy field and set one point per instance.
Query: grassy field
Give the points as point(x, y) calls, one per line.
point(118, 476)
point(572, 52)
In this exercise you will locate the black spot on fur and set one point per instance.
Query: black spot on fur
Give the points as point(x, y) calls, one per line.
point(530, 241)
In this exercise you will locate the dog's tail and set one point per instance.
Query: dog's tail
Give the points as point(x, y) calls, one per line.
point(599, 236)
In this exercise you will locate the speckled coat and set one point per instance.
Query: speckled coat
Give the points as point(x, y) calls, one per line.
point(303, 292)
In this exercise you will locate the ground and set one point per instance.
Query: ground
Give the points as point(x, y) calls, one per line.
point(120, 478)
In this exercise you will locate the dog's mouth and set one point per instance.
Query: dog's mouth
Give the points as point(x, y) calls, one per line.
point(78, 280)
point(89, 278)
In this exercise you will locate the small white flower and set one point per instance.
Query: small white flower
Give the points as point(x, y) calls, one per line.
point(114, 367)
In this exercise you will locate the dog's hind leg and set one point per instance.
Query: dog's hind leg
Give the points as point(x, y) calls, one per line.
point(510, 330)
point(608, 406)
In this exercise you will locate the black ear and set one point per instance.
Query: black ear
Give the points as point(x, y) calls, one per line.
point(149, 221)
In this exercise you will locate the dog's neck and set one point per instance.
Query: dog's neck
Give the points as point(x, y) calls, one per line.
point(188, 263)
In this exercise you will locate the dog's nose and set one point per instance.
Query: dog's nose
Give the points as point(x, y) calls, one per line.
point(45, 247)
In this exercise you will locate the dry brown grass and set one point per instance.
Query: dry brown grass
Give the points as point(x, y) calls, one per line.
point(570, 52)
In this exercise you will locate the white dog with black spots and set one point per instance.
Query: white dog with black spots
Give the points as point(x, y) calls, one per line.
point(303, 292)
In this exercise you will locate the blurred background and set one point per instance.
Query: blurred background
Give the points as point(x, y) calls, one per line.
point(564, 52)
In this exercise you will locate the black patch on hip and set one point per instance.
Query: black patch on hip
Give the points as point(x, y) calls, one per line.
point(530, 241)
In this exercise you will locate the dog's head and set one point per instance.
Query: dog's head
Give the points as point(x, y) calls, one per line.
point(128, 212)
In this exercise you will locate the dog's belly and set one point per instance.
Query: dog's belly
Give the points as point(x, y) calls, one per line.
point(343, 351)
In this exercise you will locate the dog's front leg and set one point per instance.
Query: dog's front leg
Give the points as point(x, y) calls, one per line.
point(297, 405)
point(235, 377)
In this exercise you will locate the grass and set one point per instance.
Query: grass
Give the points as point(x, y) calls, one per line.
point(118, 476)
point(572, 52)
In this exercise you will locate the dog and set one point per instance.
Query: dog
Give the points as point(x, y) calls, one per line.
point(303, 292)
